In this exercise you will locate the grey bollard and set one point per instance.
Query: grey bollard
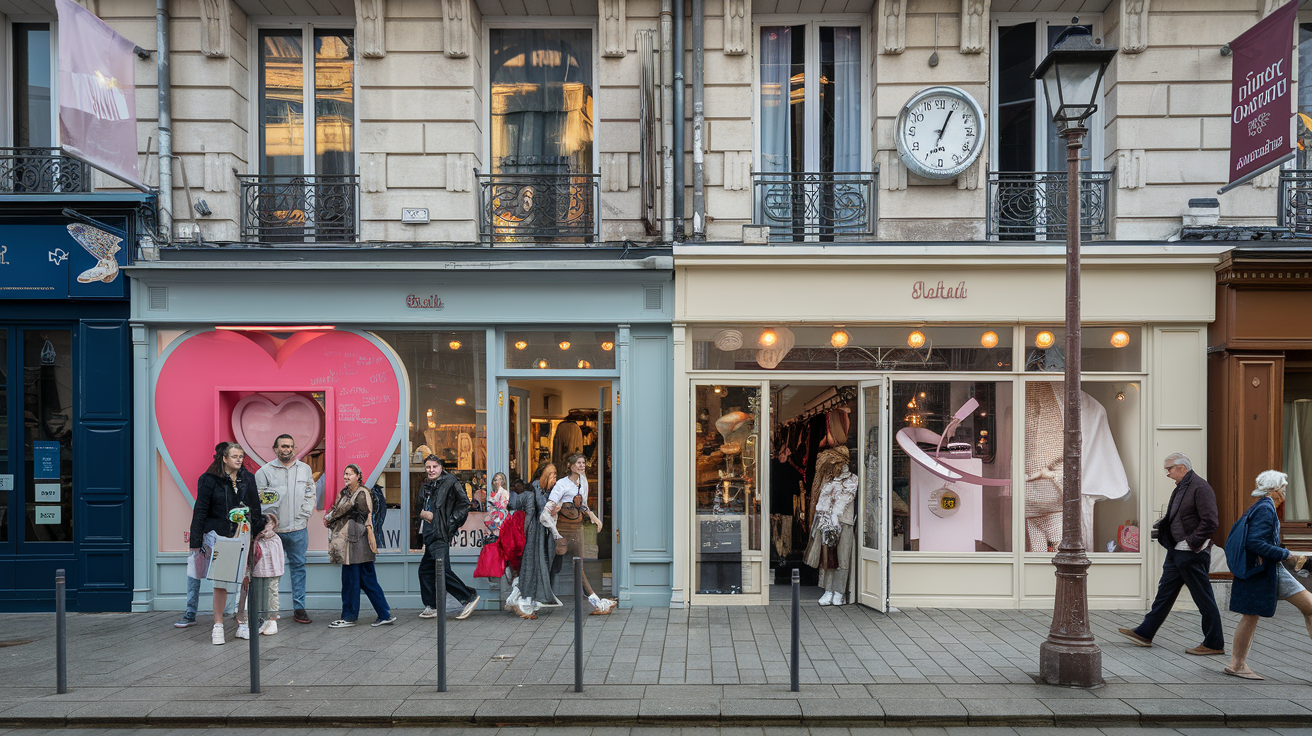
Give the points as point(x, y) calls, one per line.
point(255, 590)
point(61, 636)
point(797, 639)
point(578, 624)
point(441, 621)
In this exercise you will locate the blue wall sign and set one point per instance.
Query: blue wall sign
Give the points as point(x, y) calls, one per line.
point(45, 461)
point(61, 260)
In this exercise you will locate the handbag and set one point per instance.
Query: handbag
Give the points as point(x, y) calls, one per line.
point(369, 525)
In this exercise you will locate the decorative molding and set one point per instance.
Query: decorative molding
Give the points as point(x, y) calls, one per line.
point(455, 30)
point(1267, 7)
point(614, 172)
point(968, 179)
point(373, 171)
point(892, 25)
point(737, 171)
point(974, 26)
point(614, 34)
point(1130, 169)
point(459, 172)
point(1268, 179)
point(369, 28)
point(215, 19)
point(1134, 26)
point(892, 172)
point(216, 172)
point(737, 27)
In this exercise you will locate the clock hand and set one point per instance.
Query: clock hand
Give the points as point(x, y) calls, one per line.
point(945, 127)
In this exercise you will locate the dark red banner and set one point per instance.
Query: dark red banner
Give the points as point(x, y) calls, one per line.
point(1261, 94)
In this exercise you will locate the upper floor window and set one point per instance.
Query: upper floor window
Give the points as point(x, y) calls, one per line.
point(33, 82)
point(811, 98)
point(307, 128)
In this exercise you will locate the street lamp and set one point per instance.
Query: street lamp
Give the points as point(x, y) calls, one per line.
point(1072, 74)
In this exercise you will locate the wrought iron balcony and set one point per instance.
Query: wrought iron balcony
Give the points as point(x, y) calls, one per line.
point(299, 209)
point(1031, 205)
point(812, 206)
point(41, 171)
point(538, 208)
point(1295, 211)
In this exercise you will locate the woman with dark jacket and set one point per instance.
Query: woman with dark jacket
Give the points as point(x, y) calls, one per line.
point(224, 488)
point(532, 589)
point(349, 546)
point(1256, 595)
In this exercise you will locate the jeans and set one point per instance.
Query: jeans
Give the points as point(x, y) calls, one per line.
point(362, 577)
point(428, 579)
point(1184, 568)
point(294, 545)
point(193, 598)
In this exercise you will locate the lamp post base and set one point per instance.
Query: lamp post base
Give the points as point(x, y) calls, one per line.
point(1070, 657)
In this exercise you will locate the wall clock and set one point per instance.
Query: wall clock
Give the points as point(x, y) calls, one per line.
point(939, 132)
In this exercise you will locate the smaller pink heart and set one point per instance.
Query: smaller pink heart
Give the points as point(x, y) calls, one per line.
point(257, 422)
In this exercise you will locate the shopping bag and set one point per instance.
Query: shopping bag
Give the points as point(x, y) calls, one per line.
point(227, 557)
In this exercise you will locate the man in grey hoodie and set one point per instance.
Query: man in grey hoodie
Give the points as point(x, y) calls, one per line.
point(287, 496)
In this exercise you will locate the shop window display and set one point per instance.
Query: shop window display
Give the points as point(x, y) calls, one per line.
point(728, 502)
point(854, 348)
point(951, 466)
point(1297, 444)
point(1110, 425)
point(560, 350)
point(1102, 349)
point(48, 436)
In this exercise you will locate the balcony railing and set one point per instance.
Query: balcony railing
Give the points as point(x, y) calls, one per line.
point(538, 208)
point(810, 206)
point(1031, 205)
point(299, 209)
point(41, 171)
point(1295, 210)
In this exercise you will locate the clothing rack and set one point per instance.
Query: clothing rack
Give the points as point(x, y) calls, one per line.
point(843, 395)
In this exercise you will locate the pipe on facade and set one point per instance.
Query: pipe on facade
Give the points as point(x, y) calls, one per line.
point(678, 121)
point(698, 119)
point(165, 203)
point(667, 122)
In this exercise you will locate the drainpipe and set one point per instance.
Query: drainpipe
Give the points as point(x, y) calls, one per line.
point(678, 122)
point(165, 203)
point(698, 119)
point(667, 122)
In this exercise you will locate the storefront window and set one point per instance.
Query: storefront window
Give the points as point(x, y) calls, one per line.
point(1102, 349)
point(849, 348)
point(934, 513)
point(728, 440)
point(561, 350)
point(1297, 443)
point(448, 418)
point(1110, 425)
point(48, 435)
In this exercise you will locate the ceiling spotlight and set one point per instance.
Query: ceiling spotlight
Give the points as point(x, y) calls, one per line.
point(1045, 340)
point(989, 339)
point(542, 364)
point(840, 338)
point(916, 339)
point(460, 402)
point(1120, 396)
point(768, 338)
point(454, 344)
point(1120, 339)
point(564, 344)
point(608, 346)
point(584, 365)
point(520, 345)
point(718, 389)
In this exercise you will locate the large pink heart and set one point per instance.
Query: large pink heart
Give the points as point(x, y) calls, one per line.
point(257, 422)
point(202, 376)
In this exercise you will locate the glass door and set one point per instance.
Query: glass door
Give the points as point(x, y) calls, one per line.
point(872, 501)
point(521, 462)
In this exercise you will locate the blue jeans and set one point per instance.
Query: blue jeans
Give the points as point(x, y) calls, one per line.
point(193, 598)
point(294, 545)
point(362, 577)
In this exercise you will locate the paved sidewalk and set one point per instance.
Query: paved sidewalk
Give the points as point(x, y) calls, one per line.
point(704, 666)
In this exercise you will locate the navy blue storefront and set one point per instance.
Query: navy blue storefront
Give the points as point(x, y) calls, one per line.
point(65, 400)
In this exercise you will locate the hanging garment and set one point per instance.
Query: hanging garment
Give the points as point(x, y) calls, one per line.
point(828, 465)
point(781, 533)
point(834, 509)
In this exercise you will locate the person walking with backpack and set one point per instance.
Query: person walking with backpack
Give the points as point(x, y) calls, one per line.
point(351, 544)
point(444, 508)
point(1186, 533)
point(1255, 555)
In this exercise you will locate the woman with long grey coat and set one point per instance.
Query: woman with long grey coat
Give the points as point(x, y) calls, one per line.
point(532, 590)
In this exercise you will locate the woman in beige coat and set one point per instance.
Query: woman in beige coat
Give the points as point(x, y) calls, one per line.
point(348, 544)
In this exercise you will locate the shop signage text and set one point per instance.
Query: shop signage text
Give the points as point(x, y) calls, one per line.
point(920, 290)
point(1261, 95)
point(424, 302)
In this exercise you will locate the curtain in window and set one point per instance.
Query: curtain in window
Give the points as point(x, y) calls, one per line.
point(847, 100)
point(541, 100)
point(1298, 460)
point(776, 67)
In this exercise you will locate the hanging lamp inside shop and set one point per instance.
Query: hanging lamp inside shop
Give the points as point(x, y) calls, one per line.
point(768, 338)
point(916, 339)
point(1120, 339)
point(520, 344)
point(840, 338)
point(1045, 340)
point(989, 339)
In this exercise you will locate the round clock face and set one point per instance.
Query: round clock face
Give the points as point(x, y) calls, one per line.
point(939, 132)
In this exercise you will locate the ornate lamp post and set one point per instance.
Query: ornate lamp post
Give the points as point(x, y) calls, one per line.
point(1072, 74)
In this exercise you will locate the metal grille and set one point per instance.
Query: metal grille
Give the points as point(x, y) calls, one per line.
point(42, 171)
point(299, 209)
point(538, 208)
point(651, 298)
point(801, 206)
point(1295, 211)
point(1031, 205)
point(159, 298)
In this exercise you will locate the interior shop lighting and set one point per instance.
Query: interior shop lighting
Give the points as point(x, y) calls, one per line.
point(1120, 339)
point(454, 344)
point(608, 346)
point(460, 401)
point(768, 338)
point(989, 339)
point(274, 328)
point(718, 389)
point(431, 424)
point(584, 365)
point(520, 344)
point(916, 339)
point(1120, 396)
point(542, 363)
point(564, 344)
point(840, 338)
point(1045, 340)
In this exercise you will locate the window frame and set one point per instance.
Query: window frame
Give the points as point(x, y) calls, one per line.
point(7, 84)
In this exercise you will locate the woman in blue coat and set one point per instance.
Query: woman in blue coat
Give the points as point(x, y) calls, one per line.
point(1256, 595)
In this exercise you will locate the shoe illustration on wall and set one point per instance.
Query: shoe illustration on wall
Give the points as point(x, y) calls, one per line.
point(103, 246)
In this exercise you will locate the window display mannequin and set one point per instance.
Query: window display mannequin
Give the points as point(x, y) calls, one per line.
point(832, 536)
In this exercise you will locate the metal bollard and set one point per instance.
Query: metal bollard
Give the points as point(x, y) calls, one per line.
point(797, 638)
point(578, 624)
point(254, 590)
point(61, 636)
point(441, 622)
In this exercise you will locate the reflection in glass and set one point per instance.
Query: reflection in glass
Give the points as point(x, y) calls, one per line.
point(569, 350)
point(541, 100)
point(282, 96)
point(728, 501)
point(334, 103)
point(32, 83)
point(939, 348)
point(1101, 349)
point(48, 434)
point(871, 478)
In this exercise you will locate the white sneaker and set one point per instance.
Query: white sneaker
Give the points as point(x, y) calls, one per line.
point(429, 612)
point(838, 600)
point(243, 631)
point(468, 609)
point(269, 628)
point(216, 634)
point(827, 598)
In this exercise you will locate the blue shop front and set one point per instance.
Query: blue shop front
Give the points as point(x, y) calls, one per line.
point(66, 399)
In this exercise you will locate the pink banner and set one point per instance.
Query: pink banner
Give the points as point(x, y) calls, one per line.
point(1262, 94)
point(97, 95)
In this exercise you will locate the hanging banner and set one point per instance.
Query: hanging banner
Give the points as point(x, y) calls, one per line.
point(97, 95)
point(1261, 96)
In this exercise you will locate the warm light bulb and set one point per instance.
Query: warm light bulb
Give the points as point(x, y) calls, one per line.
point(1044, 340)
point(916, 339)
point(564, 344)
point(454, 344)
point(520, 345)
point(1120, 396)
point(608, 346)
point(460, 402)
point(430, 412)
point(840, 338)
point(718, 389)
point(989, 339)
point(768, 338)
point(1120, 339)
point(584, 365)
point(542, 364)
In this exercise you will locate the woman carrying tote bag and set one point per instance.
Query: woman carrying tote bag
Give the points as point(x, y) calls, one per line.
point(351, 544)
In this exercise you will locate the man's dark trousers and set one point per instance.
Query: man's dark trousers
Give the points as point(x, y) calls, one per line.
point(1185, 568)
point(428, 581)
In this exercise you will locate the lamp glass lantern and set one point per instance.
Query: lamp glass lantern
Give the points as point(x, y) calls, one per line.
point(1072, 75)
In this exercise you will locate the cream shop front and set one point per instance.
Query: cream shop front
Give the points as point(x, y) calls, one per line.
point(887, 420)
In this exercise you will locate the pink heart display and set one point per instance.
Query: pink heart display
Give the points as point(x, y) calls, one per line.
point(257, 422)
point(203, 377)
